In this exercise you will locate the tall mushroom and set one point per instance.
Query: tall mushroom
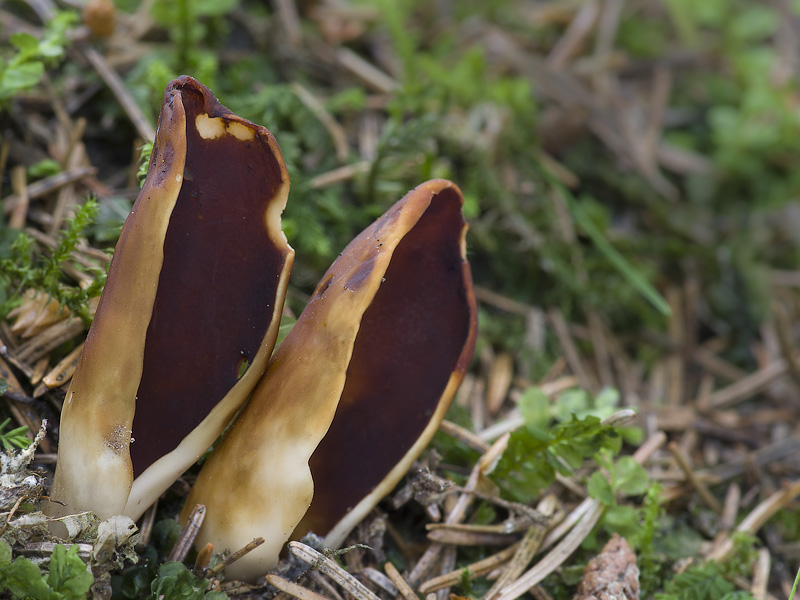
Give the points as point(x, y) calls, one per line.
point(355, 392)
point(189, 314)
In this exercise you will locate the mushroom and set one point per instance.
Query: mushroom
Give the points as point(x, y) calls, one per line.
point(356, 390)
point(189, 314)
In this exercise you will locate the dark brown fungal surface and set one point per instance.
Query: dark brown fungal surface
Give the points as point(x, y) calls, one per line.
point(194, 292)
point(381, 347)
point(218, 285)
point(412, 337)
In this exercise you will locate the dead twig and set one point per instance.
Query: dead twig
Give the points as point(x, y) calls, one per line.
point(217, 569)
point(368, 73)
point(290, 19)
point(330, 568)
point(457, 513)
point(748, 386)
point(757, 517)
point(402, 585)
point(318, 109)
point(293, 589)
point(697, 484)
point(188, 534)
point(482, 567)
point(528, 547)
point(117, 86)
point(47, 185)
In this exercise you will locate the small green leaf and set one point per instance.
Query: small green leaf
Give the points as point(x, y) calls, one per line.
point(571, 402)
point(606, 402)
point(25, 43)
point(599, 489)
point(5, 553)
point(145, 152)
point(242, 369)
point(623, 520)
point(626, 269)
point(287, 323)
point(16, 437)
point(631, 479)
point(44, 168)
point(23, 579)
point(534, 405)
point(794, 586)
point(22, 76)
point(50, 49)
point(632, 435)
point(214, 7)
point(176, 582)
point(533, 456)
point(69, 575)
point(571, 455)
point(538, 434)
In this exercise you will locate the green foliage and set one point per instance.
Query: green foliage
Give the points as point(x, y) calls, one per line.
point(184, 19)
point(286, 326)
point(452, 451)
point(651, 564)
point(68, 577)
point(15, 437)
point(794, 585)
point(626, 477)
point(535, 455)
point(68, 574)
point(712, 580)
point(197, 31)
point(788, 523)
point(701, 583)
point(111, 216)
point(20, 270)
point(144, 161)
point(318, 223)
point(156, 580)
point(165, 535)
point(622, 478)
point(558, 437)
point(633, 276)
point(535, 408)
point(176, 582)
point(465, 583)
point(576, 401)
point(741, 562)
point(448, 91)
point(135, 582)
point(733, 225)
point(44, 168)
point(24, 68)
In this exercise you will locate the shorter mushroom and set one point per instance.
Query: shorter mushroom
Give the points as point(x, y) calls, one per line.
point(355, 392)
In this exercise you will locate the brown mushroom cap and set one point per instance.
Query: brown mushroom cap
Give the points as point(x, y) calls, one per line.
point(413, 347)
point(193, 297)
point(383, 343)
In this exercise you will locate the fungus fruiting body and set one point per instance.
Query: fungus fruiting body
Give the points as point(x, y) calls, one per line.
point(194, 295)
point(355, 392)
point(188, 319)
